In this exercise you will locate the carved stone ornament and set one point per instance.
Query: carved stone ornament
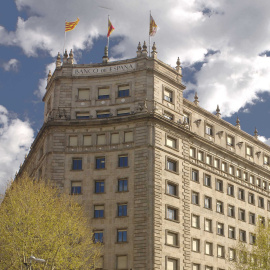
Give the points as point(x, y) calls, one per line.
point(220, 134)
point(198, 122)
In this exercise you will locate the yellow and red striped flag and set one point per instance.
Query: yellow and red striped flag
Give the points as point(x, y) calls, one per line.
point(110, 28)
point(153, 27)
point(71, 25)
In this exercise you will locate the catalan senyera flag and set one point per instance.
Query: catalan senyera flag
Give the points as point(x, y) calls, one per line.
point(71, 25)
point(110, 28)
point(153, 27)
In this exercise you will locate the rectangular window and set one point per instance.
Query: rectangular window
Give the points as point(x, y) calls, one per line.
point(251, 180)
point(168, 116)
point(251, 198)
point(103, 93)
point(123, 91)
point(100, 163)
point(220, 228)
point(252, 219)
point(171, 165)
point(208, 202)
point(242, 235)
point(195, 221)
point(195, 198)
point(231, 232)
point(261, 202)
point(101, 139)
point(172, 213)
point(219, 185)
point(207, 180)
point(220, 251)
point(231, 170)
point(87, 140)
point(223, 166)
point(122, 210)
point(114, 138)
point(249, 151)
point(264, 185)
point(230, 140)
point(172, 189)
point(220, 208)
point(73, 140)
point(171, 142)
point(238, 173)
point(195, 175)
point(232, 254)
point(209, 130)
point(200, 156)
point(208, 160)
point(195, 245)
point(208, 267)
point(171, 238)
point(98, 236)
point(121, 236)
point(231, 210)
point(245, 176)
point(196, 266)
point(82, 115)
point(208, 225)
point(76, 164)
point(261, 220)
point(186, 118)
point(122, 112)
point(192, 152)
point(209, 248)
point(216, 163)
point(168, 95)
point(172, 264)
point(122, 262)
point(104, 114)
point(266, 160)
point(268, 205)
point(258, 182)
point(241, 194)
point(241, 214)
point(230, 190)
point(83, 94)
point(252, 238)
point(99, 186)
point(99, 211)
point(122, 161)
point(76, 187)
point(122, 185)
point(128, 136)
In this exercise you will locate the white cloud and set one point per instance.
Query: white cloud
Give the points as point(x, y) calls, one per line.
point(11, 65)
point(264, 140)
point(16, 137)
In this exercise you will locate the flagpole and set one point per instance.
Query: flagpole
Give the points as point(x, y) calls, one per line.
point(149, 32)
point(65, 39)
point(108, 36)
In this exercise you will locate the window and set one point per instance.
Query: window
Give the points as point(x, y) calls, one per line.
point(101, 139)
point(258, 182)
point(231, 232)
point(122, 210)
point(114, 138)
point(231, 210)
point(76, 164)
point(251, 198)
point(195, 175)
point(200, 156)
point(172, 213)
point(264, 185)
point(220, 207)
point(220, 251)
point(249, 151)
point(186, 118)
point(171, 165)
point(171, 142)
point(103, 114)
point(209, 248)
point(208, 225)
point(195, 197)
point(172, 264)
point(238, 173)
point(87, 140)
point(73, 140)
point(241, 194)
point(172, 189)
point(242, 235)
point(230, 190)
point(231, 170)
point(216, 163)
point(252, 238)
point(99, 211)
point(245, 176)
point(83, 94)
point(168, 116)
point(192, 152)
point(230, 140)
point(207, 180)
point(99, 186)
point(241, 214)
point(268, 205)
point(261, 220)
point(251, 180)
point(122, 161)
point(261, 202)
point(103, 93)
point(122, 185)
point(168, 95)
point(219, 185)
point(195, 221)
point(196, 266)
point(122, 112)
point(232, 254)
point(266, 160)
point(195, 245)
point(252, 219)
point(122, 262)
point(208, 267)
point(209, 130)
point(171, 238)
point(208, 160)
point(123, 91)
point(220, 228)
point(223, 166)
point(208, 202)
point(98, 236)
point(76, 187)
point(100, 163)
point(82, 115)
point(128, 136)
point(121, 236)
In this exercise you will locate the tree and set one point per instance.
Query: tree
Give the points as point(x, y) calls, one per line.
point(37, 220)
point(256, 257)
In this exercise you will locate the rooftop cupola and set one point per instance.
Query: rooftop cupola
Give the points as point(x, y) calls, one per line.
point(154, 51)
point(256, 133)
point(218, 114)
point(238, 123)
point(65, 59)
point(71, 58)
point(139, 50)
point(178, 66)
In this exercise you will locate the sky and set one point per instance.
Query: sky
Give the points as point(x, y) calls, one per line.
point(224, 48)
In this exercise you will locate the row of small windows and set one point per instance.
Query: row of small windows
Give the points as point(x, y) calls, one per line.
point(104, 92)
point(120, 238)
point(121, 263)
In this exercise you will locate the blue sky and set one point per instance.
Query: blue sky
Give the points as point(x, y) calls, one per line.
point(223, 46)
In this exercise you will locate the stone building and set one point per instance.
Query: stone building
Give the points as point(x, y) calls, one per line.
point(167, 184)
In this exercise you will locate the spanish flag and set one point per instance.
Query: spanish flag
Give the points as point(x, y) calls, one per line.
point(71, 25)
point(110, 28)
point(153, 27)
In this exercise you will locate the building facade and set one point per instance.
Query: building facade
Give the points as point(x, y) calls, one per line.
point(167, 184)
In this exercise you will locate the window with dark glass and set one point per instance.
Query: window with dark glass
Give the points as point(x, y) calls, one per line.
point(98, 236)
point(261, 202)
point(231, 232)
point(242, 235)
point(76, 164)
point(100, 163)
point(172, 213)
point(172, 189)
point(123, 161)
point(99, 186)
point(242, 214)
point(220, 228)
point(76, 187)
point(251, 198)
point(121, 236)
point(230, 190)
point(122, 185)
point(186, 118)
point(252, 219)
point(122, 210)
point(207, 180)
point(82, 115)
point(195, 175)
point(195, 198)
point(99, 211)
point(252, 238)
point(123, 112)
point(171, 165)
point(208, 202)
point(103, 93)
point(168, 95)
point(220, 207)
point(168, 116)
point(104, 114)
point(219, 185)
point(123, 91)
point(231, 210)
point(209, 130)
point(241, 194)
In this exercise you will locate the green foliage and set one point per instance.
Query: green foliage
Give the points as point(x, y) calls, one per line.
point(36, 220)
